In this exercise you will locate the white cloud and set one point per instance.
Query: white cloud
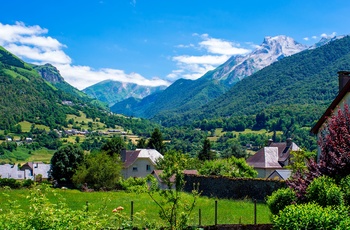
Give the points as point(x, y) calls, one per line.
point(216, 52)
point(324, 35)
point(32, 44)
point(314, 37)
point(306, 39)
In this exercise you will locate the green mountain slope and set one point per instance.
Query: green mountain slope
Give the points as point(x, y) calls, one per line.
point(181, 96)
point(301, 85)
point(25, 95)
point(111, 92)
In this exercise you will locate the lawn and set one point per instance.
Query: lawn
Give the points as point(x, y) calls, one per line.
point(229, 211)
point(22, 155)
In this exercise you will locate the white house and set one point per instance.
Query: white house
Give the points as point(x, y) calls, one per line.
point(341, 99)
point(272, 157)
point(27, 171)
point(139, 162)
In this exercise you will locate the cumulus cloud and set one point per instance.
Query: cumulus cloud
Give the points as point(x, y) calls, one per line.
point(33, 45)
point(324, 35)
point(216, 52)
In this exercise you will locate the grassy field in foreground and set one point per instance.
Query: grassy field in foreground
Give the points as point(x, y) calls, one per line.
point(229, 211)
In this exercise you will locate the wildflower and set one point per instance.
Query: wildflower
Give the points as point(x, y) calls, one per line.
point(120, 208)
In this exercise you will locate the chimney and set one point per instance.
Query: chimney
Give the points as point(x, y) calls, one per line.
point(344, 77)
point(270, 142)
point(123, 155)
point(289, 141)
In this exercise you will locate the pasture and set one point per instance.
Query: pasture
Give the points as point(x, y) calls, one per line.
point(229, 211)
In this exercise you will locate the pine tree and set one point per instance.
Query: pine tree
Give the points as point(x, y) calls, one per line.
point(156, 141)
point(206, 153)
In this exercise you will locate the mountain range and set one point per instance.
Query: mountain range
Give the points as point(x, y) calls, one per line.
point(111, 92)
point(183, 94)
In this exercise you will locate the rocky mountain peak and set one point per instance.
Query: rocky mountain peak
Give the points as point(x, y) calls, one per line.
point(49, 73)
point(271, 49)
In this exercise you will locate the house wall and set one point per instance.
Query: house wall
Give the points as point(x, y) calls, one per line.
point(264, 173)
point(345, 100)
point(141, 165)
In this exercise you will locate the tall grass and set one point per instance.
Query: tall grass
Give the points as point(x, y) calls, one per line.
point(229, 211)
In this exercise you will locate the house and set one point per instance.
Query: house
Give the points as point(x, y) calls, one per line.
point(280, 174)
point(162, 184)
point(27, 171)
point(139, 162)
point(33, 169)
point(11, 171)
point(340, 100)
point(272, 157)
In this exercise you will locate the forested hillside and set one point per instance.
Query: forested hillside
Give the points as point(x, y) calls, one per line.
point(302, 85)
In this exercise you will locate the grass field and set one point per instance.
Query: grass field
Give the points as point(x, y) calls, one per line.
point(21, 155)
point(229, 211)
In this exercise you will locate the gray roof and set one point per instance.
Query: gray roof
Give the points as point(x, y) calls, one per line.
point(284, 174)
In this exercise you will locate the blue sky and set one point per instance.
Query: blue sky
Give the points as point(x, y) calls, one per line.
point(155, 42)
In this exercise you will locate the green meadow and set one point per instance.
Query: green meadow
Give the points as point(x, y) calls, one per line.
point(229, 211)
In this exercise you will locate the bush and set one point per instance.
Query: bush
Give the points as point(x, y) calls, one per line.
point(138, 185)
point(310, 216)
point(324, 191)
point(27, 183)
point(10, 182)
point(345, 188)
point(280, 199)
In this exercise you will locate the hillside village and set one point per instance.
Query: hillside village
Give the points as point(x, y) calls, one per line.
point(79, 144)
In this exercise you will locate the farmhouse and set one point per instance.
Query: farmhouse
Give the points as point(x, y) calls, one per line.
point(29, 170)
point(338, 103)
point(139, 162)
point(273, 157)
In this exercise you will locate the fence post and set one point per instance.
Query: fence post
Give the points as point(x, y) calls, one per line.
point(216, 212)
point(255, 211)
point(87, 206)
point(132, 211)
point(200, 217)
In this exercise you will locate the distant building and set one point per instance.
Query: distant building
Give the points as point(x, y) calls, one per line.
point(273, 157)
point(27, 171)
point(280, 174)
point(162, 184)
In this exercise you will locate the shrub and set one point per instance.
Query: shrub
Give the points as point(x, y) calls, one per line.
point(324, 191)
point(345, 188)
point(310, 216)
point(280, 199)
point(10, 182)
point(138, 185)
point(27, 183)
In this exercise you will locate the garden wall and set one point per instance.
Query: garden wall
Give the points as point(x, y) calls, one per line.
point(233, 188)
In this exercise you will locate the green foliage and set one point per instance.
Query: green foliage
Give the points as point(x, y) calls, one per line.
point(324, 191)
point(310, 216)
point(174, 209)
point(64, 163)
point(46, 215)
point(135, 184)
point(156, 141)
point(299, 160)
point(231, 167)
point(280, 199)
point(98, 171)
point(345, 188)
point(206, 153)
point(113, 146)
point(177, 159)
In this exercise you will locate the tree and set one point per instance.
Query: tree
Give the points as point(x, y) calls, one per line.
point(141, 143)
point(65, 161)
point(156, 141)
point(235, 150)
point(232, 167)
point(206, 153)
point(99, 171)
point(113, 146)
point(174, 209)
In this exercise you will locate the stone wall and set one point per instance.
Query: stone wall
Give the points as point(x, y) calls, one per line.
point(233, 188)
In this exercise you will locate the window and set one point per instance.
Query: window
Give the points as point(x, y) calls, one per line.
point(148, 167)
point(134, 168)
